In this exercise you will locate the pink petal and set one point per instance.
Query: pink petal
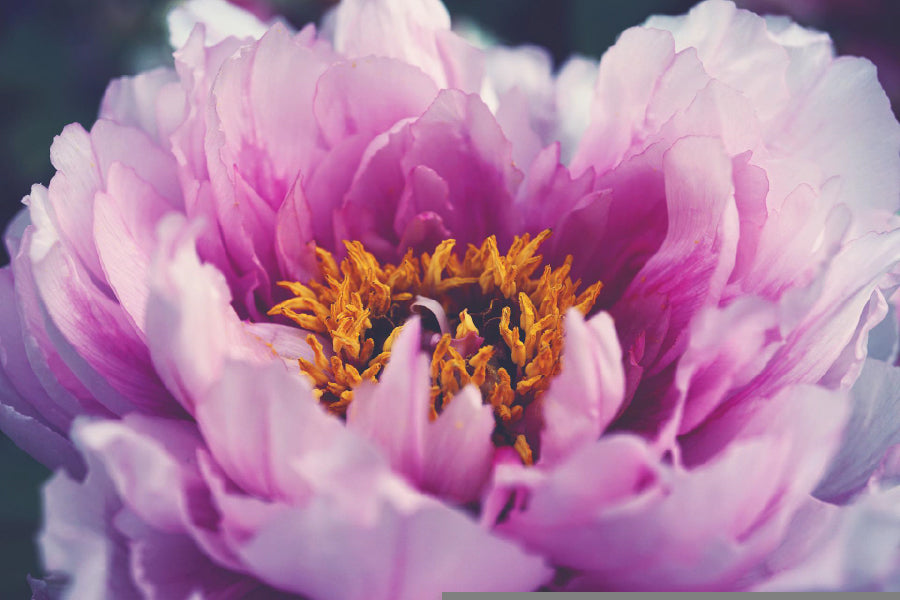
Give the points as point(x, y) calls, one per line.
point(394, 29)
point(258, 421)
point(405, 552)
point(93, 324)
point(191, 327)
point(368, 95)
point(140, 102)
point(727, 347)
point(458, 451)
point(587, 395)
point(393, 413)
point(125, 220)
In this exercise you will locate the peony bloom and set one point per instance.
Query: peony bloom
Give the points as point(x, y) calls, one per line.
point(368, 312)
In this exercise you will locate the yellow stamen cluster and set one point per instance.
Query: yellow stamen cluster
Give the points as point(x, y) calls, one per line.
point(359, 307)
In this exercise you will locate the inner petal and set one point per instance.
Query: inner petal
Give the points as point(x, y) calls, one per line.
point(491, 320)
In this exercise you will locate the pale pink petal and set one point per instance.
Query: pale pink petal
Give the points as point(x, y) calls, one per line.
point(191, 327)
point(873, 428)
point(622, 95)
point(829, 548)
point(125, 220)
point(664, 528)
point(587, 395)
point(393, 556)
point(220, 18)
point(155, 478)
point(736, 49)
point(393, 413)
point(78, 538)
point(459, 453)
point(824, 317)
point(368, 95)
point(574, 91)
point(258, 421)
point(522, 79)
point(393, 29)
point(140, 102)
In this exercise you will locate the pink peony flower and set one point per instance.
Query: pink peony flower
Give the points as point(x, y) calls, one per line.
point(366, 312)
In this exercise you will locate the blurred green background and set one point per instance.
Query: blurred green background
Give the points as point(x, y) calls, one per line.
point(56, 57)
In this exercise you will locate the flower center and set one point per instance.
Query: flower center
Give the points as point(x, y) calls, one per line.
point(469, 307)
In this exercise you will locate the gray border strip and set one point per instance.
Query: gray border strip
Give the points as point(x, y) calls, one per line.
point(604, 595)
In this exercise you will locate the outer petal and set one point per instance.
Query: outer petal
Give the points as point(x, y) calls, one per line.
point(78, 538)
point(416, 33)
point(191, 327)
point(873, 428)
point(830, 111)
point(620, 88)
point(411, 549)
point(23, 389)
point(220, 18)
point(825, 317)
point(850, 548)
point(93, 323)
point(640, 525)
point(258, 422)
point(149, 101)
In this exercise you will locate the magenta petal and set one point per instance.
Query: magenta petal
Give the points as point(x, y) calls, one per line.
point(726, 349)
point(691, 267)
point(587, 395)
point(93, 324)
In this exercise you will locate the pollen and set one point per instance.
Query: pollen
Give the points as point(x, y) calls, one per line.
point(505, 314)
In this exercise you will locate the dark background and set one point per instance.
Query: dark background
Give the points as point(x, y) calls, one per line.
point(56, 57)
